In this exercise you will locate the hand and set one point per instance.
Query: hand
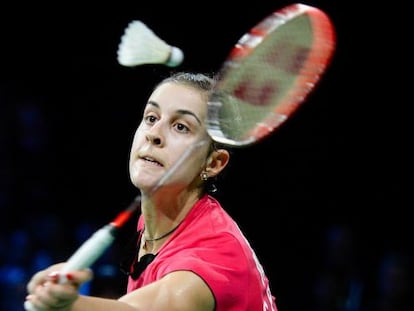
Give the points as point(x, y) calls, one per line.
point(49, 290)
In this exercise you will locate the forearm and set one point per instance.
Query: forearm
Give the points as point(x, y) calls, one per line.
point(87, 303)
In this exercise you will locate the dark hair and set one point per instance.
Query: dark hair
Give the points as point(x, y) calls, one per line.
point(200, 81)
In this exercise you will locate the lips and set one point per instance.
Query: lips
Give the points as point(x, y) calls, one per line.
point(151, 160)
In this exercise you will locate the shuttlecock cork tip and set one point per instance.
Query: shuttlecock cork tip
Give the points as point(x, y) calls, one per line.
point(176, 57)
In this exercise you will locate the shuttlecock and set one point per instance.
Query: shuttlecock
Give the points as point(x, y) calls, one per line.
point(140, 45)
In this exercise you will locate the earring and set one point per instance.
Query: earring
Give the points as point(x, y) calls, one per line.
point(204, 175)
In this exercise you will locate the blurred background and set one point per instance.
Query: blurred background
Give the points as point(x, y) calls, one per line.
point(324, 201)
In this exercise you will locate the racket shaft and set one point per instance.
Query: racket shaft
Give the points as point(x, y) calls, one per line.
point(90, 250)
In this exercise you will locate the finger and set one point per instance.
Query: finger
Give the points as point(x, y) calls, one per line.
point(77, 277)
point(40, 277)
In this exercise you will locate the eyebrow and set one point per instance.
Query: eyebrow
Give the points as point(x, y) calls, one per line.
point(180, 111)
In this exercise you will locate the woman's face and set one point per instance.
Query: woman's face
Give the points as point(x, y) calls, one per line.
point(173, 122)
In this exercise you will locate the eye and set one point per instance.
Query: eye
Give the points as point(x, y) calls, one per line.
point(150, 119)
point(181, 128)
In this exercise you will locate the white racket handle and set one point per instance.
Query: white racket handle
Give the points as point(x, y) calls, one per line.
point(85, 256)
point(89, 251)
point(29, 307)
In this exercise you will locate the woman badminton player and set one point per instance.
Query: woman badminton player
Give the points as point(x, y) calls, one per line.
point(190, 254)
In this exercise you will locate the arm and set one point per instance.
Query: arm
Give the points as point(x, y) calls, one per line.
point(181, 290)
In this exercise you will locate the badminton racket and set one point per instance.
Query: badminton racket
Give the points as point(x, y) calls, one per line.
point(269, 73)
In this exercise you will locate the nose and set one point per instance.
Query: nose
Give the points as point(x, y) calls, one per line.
point(155, 133)
point(153, 139)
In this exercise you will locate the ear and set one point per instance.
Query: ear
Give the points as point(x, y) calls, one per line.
point(217, 161)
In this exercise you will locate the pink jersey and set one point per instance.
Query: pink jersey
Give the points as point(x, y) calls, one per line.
point(209, 243)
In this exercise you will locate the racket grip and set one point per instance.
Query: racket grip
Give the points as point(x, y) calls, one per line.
point(29, 307)
point(85, 255)
point(89, 251)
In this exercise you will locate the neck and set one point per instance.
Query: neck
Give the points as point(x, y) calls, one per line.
point(161, 237)
point(159, 213)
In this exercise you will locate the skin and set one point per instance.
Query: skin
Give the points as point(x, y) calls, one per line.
point(173, 122)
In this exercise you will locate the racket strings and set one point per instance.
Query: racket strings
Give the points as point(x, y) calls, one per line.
point(270, 72)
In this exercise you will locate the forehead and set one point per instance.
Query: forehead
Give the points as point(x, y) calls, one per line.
point(175, 96)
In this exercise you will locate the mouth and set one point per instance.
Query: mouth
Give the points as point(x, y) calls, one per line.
point(151, 160)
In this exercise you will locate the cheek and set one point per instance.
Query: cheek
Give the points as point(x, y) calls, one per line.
point(136, 142)
point(137, 139)
point(190, 162)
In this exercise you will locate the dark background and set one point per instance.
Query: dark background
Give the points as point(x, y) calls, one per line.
point(68, 111)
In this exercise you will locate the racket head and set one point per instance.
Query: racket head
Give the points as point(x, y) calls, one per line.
point(269, 73)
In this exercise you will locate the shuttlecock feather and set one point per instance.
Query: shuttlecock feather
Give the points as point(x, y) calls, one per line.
point(140, 45)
